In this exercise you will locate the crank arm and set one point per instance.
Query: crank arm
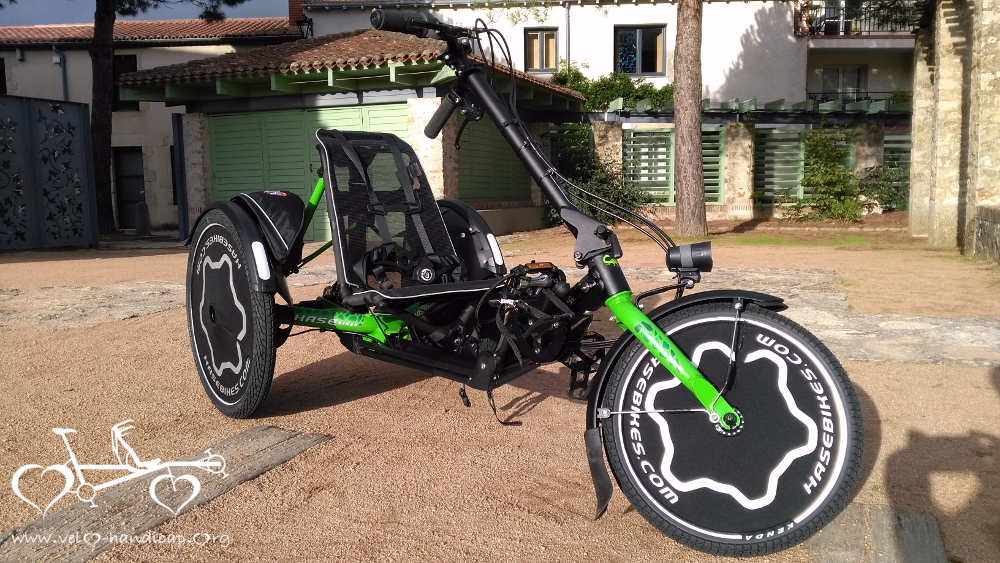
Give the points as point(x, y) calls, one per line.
point(630, 318)
point(603, 413)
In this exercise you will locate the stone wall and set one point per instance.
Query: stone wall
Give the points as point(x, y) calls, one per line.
point(987, 233)
point(955, 179)
point(739, 171)
point(437, 156)
point(197, 164)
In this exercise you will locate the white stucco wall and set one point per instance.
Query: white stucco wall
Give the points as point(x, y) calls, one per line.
point(150, 127)
point(748, 49)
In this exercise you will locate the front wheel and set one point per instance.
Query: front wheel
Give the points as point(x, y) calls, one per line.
point(768, 485)
point(231, 326)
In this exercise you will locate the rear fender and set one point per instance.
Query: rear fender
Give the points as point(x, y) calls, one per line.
point(258, 253)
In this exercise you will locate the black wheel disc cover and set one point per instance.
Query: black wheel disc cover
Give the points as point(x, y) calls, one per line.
point(221, 314)
point(762, 483)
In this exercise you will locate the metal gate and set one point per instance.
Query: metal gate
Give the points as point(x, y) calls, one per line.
point(47, 194)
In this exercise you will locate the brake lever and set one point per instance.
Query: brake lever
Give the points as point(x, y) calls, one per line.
point(472, 113)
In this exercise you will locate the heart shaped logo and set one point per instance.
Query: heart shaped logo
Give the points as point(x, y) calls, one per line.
point(61, 469)
point(91, 539)
point(195, 489)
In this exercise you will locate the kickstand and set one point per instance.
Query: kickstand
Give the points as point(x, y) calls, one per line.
point(489, 397)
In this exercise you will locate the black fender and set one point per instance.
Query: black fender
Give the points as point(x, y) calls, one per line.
point(258, 252)
point(592, 436)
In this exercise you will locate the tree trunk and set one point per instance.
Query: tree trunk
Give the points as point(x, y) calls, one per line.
point(102, 59)
point(689, 183)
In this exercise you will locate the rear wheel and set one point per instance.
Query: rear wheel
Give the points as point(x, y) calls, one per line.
point(779, 478)
point(231, 326)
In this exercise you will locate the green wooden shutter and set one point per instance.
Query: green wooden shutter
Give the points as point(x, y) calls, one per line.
point(274, 150)
point(897, 148)
point(713, 164)
point(648, 162)
point(237, 146)
point(488, 170)
point(777, 163)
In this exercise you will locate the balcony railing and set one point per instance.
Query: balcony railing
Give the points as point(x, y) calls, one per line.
point(858, 95)
point(853, 17)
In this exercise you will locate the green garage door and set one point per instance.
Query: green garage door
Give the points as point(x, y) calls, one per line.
point(274, 150)
point(488, 169)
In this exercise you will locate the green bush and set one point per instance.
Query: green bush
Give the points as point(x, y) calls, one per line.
point(889, 186)
point(573, 155)
point(832, 191)
point(602, 91)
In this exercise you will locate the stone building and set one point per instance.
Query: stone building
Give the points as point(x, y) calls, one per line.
point(955, 176)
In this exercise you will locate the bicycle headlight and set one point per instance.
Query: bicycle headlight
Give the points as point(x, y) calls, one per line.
point(696, 256)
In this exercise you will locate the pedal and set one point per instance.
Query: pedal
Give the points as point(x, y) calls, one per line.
point(465, 397)
point(588, 354)
point(579, 382)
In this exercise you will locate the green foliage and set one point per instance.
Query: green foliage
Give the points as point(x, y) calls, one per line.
point(832, 191)
point(604, 90)
point(211, 10)
point(573, 154)
point(900, 97)
point(889, 186)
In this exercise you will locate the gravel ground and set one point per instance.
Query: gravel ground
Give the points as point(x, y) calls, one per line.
point(88, 339)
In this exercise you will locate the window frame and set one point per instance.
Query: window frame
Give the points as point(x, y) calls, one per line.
point(528, 55)
point(662, 28)
point(3, 77)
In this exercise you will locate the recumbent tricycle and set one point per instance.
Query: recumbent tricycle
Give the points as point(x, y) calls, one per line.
point(729, 428)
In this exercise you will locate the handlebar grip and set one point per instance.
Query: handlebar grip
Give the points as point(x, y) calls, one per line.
point(402, 22)
point(448, 104)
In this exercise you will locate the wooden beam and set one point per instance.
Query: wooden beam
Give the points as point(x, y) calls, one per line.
point(133, 94)
point(180, 92)
point(280, 83)
point(335, 79)
point(443, 75)
point(231, 88)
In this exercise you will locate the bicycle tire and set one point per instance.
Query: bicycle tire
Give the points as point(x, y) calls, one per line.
point(231, 327)
point(788, 471)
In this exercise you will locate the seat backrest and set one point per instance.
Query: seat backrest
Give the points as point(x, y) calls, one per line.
point(377, 195)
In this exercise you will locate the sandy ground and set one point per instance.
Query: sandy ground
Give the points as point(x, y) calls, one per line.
point(412, 475)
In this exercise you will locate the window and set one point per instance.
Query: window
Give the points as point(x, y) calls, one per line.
point(3, 77)
point(121, 65)
point(640, 50)
point(540, 50)
point(844, 82)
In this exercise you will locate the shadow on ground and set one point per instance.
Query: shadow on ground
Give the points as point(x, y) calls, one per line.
point(950, 476)
point(339, 379)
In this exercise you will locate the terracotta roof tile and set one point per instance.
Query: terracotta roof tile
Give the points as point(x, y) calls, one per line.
point(342, 50)
point(145, 30)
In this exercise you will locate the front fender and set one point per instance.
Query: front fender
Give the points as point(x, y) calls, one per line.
point(592, 435)
point(262, 275)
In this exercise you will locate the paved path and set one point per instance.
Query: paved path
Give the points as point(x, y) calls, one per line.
point(814, 298)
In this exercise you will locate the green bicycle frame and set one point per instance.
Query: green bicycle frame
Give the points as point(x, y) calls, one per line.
point(378, 327)
point(632, 319)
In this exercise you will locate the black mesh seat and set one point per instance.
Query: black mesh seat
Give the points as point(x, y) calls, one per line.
point(390, 241)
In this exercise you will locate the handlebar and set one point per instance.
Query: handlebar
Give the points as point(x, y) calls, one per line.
point(418, 24)
point(448, 104)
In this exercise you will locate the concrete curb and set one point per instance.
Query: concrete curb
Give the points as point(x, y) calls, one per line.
point(878, 534)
